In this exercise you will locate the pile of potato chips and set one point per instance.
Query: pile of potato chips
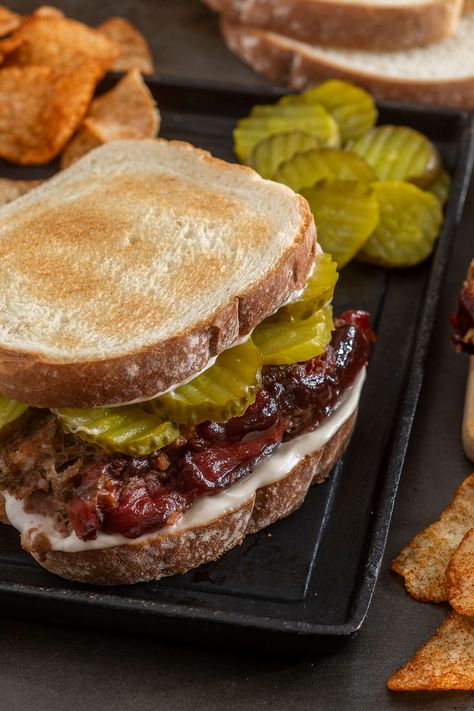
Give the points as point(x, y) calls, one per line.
point(438, 566)
point(50, 66)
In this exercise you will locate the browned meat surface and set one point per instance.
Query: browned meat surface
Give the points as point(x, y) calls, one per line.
point(39, 463)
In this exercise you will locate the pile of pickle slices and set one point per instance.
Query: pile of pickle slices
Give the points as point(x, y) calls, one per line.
point(298, 331)
point(377, 192)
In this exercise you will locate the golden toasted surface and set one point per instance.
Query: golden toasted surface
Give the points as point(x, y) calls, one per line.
point(89, 261)
point(129, 258)
point(127, 272)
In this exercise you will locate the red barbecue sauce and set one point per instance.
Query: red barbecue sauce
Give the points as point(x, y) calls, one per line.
point(136, 495)
point(463, 321)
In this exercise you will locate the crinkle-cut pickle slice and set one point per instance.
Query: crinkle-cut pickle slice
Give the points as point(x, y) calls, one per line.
point(224, 390)
point(441, 187)
point(400, 153)
point(306, 169)
point(265, 121)
point(288, 340)
point(128, 429)
point(10, 410)
point(271, 152)
point(318, 292)
point(346, 213)
point(352, 108)
point(410, 221)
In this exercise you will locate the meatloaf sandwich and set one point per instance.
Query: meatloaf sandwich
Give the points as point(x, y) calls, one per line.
point(172, 376)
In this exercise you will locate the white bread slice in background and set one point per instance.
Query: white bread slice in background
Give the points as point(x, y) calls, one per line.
point(376, 25)
point(441, 74)
point(124, 274)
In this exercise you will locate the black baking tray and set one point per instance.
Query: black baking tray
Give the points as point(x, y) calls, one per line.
point(309, 577)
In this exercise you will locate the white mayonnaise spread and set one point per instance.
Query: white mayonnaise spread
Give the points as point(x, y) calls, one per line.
point(269, 471)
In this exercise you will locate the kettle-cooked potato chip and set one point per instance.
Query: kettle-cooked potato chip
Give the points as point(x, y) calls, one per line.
point(11, 189)
point(423, 562)
point(8, 45)
point(445, 662)
point(60, 43)
point(134, 49)
point(48, 11)
point(9, 21)
point(460, 576)
point(82, 143)
point(126, 111)
point(41, 108)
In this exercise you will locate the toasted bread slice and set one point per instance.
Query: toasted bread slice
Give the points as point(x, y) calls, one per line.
point(441, 74)
point(126, 273)
point(375, 25)
point(164, 554)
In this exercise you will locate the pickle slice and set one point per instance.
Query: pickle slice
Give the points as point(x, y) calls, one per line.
point(352, 108)
point(10, 410)
point(265, 121)
point(400, 153)
point(286, 340)
point(128, 429)
point(441, 187)
point(270, 153)
point(306, 169)
point(410, 221)
point(224, 390)
point(346, 214)
point(318, 292)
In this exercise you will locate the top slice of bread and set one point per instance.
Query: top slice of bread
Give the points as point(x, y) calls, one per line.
point(127, 272)
point(375, 25)
point(441, 74)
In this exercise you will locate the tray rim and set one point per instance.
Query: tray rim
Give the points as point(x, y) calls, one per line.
point(366, 581)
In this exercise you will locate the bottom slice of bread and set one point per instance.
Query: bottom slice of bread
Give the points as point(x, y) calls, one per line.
point(173, 553)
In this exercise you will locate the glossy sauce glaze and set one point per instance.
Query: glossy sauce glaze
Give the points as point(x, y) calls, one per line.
point(463, 320)
point(133, 496)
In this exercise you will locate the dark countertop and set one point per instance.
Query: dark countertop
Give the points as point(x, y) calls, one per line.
point(47, 667)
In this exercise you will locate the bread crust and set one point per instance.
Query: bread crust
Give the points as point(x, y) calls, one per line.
point(299, 70)
point(29, 377)
point(177, 553)
point(358, 25)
